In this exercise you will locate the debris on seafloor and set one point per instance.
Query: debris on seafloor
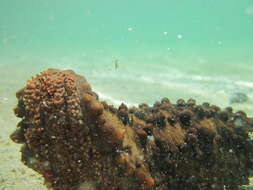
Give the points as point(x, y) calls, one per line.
point(75, 141)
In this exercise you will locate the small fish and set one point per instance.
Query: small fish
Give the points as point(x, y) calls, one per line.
point(116, 64)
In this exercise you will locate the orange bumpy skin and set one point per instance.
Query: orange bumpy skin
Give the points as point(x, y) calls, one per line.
point(72, 139)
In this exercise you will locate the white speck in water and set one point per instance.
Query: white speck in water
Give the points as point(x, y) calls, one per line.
point(165, 33)
point(5, 99)
point(219, 43)
point(249, 11)
point(230, 150)
point(130, 29)
point(51, 18)
point(88, 12)
point(168, 49)
point(179, 36)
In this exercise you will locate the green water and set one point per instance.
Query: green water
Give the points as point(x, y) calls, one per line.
point(175, 48)
point(40, 24)
point(200, 49)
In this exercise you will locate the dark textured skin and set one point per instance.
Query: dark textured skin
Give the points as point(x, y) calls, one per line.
point(72, 138)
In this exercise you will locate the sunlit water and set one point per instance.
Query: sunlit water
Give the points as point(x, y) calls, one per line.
point(131, 51)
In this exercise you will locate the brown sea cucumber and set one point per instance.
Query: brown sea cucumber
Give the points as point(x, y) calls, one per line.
point(72, 138)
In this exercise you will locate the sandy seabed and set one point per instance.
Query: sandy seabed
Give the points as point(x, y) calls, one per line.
point(14, 175)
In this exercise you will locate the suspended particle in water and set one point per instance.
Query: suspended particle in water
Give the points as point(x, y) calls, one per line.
point(219, 43)
point(130, 29)
point(51, 18)
point(88, 12)
point(168, 49)
point(165, 33)
point(179, 36)
point(249, 11)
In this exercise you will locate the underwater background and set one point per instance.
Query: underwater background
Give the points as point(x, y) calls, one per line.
point(130, 51)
